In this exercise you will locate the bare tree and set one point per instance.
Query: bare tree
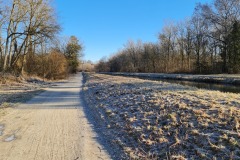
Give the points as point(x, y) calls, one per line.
point(28, 22)
point(1, 40)
point(168, 41)
point(221, 17)
point(207, 43)
point(188, 47)
point(133, 51)
point(181, 36)
point(150, 57)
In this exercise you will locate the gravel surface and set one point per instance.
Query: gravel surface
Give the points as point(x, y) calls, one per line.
point(51, 126)
point(158, 120)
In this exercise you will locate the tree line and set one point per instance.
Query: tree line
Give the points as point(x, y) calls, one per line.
point(208, 42)
point(29, 41)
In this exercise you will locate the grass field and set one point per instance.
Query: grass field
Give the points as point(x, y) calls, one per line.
point(158, 120)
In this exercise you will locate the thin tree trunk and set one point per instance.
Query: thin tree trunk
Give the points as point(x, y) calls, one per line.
point(224, 55)
point(10, 53)
point(18, 53)
point(12, 46)
point(7, 40)
point(24, 57)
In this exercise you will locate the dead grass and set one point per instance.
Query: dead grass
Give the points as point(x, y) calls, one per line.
point(14, 90)
point(158, 120)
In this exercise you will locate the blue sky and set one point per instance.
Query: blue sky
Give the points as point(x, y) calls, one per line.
point(104, 26)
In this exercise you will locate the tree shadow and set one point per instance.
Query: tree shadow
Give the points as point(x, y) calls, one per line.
point(54, 99)
point(99, 127)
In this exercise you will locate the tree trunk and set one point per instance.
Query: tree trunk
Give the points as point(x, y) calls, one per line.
point(24, 57)
point(7, 40)
point(224, 57)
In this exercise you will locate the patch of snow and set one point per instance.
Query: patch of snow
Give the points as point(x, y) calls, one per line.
point(10, 138)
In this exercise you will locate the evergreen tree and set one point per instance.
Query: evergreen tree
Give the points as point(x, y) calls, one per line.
point(234, 49)
point(73, 51)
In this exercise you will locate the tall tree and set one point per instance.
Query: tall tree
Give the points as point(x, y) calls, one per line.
point(188, 45)
point(182, 42)
point(234, 48)
point(27, 22)
point(200, 40)
point(1, 40)
point(133, 49)
point(73, 52)
point(167, 40)
point(221, 17)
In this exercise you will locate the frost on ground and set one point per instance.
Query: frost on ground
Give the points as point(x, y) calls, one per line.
point(158, 120)
point(51, 126)
point(214, 78)
point(17, 90)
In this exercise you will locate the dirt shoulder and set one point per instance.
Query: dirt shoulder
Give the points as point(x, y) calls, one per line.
point(16, 91)
point(158, 120)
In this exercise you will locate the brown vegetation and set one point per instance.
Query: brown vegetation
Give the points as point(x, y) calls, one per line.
point(14, 90)
point(29, 44)
point(158, 120)
point(206, 43)
point(86, 66)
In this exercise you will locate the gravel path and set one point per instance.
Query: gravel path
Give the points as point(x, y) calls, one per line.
point(53, 125)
